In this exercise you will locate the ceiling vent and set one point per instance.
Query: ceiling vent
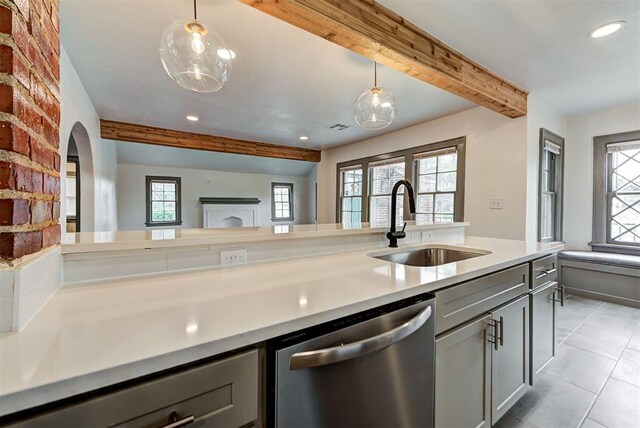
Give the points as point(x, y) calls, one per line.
point(339, 127)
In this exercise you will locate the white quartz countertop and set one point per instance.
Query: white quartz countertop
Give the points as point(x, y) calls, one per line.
point(94, 335)
point(163, 238)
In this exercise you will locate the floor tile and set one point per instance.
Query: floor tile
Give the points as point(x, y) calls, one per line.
point(621, 319)
point(510, 421)
point(575, 311)
point(554, 403)
point(628, 368)
point(634, 343)
point(561, 335)
point(604, 341)
point(582, 368)
point(617, 406)
point(588, 423)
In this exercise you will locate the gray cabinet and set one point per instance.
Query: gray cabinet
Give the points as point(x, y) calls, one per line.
point(223, 393)
point(463, 370)
point(510, 358)
point(542, 303)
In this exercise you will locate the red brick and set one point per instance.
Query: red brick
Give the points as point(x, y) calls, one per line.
point(55, 210)
point(12, 63)
point(50, 134)
point(40, 211)
point(42, 155)
point(37, 179)
point(15, 177)
point(18, 244)
point(56, 162)
point(13, 138)
point(14, 212)
point(51, 185)
point(50, 235)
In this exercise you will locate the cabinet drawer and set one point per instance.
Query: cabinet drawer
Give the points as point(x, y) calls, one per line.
point(221, 393)
point(544, 270)
point(462, 302)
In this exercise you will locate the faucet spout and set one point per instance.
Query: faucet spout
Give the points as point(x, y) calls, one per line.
point(392, 235)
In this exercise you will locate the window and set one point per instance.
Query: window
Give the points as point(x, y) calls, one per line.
point(163, 201)
point(436, 173)
point(350, 195)
point(282, 201)
point(383, 175)
point(616, 222)
point(435, 170)
point(550, 187)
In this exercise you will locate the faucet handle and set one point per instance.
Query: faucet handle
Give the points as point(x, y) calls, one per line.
point(405, 225)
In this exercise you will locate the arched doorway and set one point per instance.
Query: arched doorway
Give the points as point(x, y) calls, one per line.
point(79, 182)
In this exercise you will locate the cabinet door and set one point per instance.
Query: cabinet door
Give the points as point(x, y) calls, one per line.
point(463, 364)
point(510, 362)
point(543, 322)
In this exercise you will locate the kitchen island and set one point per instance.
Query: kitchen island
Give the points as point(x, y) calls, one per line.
point(90, 336)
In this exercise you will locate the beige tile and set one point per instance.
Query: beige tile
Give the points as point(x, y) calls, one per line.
point(582, 368)
point(628, 368)
point(618, 405)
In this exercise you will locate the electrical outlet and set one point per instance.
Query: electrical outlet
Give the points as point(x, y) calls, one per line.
point(233, 257)
point(427, 236)
point(496, 204)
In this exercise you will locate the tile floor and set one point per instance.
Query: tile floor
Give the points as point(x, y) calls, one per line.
point(594, 380)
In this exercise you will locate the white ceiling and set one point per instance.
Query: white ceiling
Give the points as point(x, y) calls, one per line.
point(542, 45)
point(147, 154)
point(286, 82)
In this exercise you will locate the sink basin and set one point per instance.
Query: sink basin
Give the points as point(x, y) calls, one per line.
point(432, 256)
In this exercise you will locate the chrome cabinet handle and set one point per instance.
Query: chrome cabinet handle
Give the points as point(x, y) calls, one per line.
point(560, 289)
point(496, 341)
point(323, 357)
point(546, 272)
point(174, 422)
point(501, 331)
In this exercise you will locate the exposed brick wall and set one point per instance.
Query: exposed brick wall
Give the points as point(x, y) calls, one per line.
point(29, 124)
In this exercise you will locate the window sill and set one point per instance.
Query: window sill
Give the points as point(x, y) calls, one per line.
point(171, 223)
point(615, 248)
point(282, 219)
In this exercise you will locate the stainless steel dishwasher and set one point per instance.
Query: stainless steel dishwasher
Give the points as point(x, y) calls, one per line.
point(371, 369)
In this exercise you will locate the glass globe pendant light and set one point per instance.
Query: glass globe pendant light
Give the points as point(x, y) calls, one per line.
point(375, 108)
point(195, 56)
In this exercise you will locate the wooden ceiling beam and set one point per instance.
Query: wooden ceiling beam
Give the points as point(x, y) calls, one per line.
point(376, 32)
point(135, 133)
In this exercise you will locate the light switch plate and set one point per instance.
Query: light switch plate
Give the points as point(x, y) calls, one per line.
point(233, 257)
point(496, 204)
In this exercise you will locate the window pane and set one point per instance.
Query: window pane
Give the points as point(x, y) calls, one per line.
point(169, 187)
point(357, 189)
point(624, 224)
point(447, 182)
point(443, 218)
point(447, 162)
point(355, 217)
point(348, 189)
point(169, 196)
point(285, 195)
point(356, 204)
point(424, 204)
point(444, 203)
point(346, 217)
point(157, 187)
point(427, 183)
point(424, 219)
point(157, 216)
point(428, 165)
point(157, 206)
point(346, 204)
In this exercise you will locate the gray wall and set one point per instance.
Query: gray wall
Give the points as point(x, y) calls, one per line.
point(196, 183)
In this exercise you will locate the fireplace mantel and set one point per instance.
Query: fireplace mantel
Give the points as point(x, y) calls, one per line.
point(230, 201)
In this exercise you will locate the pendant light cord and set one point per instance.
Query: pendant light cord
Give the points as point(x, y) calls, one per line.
point(195, 10)
point(375, 74)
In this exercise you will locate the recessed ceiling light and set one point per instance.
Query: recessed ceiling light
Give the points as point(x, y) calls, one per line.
point(192, 118)
point(226, 53)
point(303, 138)
point(606, 29)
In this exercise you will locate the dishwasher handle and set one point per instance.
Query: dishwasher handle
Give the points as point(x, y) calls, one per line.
point(323, 357)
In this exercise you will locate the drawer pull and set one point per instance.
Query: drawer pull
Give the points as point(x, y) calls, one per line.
point(501, 331)
point(174, 422)
point(496, 335)
point(560, 290)
point(546, 272)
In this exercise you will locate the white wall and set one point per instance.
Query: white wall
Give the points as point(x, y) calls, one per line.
point(198, 183)
point(579, 166)
point(312, 180)
point(539, 115)
point(496, 167)
point(76, 106)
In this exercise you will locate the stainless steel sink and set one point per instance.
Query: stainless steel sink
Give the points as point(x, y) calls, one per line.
point(432, 256)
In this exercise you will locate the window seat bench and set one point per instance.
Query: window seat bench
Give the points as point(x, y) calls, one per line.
point(604, 276)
